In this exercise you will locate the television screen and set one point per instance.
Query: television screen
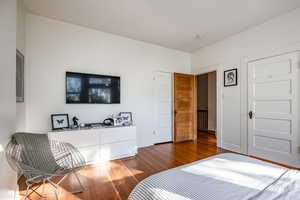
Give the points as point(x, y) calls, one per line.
point(92, 88)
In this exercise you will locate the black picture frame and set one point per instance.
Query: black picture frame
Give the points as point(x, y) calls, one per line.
point(232, 72)
point(20, 60)
point(124, 114)
point(55, 117)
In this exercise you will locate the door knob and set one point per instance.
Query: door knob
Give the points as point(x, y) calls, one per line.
point(251, 114)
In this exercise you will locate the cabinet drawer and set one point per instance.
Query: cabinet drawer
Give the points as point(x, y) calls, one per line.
point(91, 154)
point(117, 150)
point(77, 138)
point(117, 135)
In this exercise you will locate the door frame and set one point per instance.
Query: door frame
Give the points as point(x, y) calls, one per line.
point(219, 100)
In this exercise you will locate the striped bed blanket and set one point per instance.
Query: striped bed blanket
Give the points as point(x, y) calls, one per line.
point(222, 177)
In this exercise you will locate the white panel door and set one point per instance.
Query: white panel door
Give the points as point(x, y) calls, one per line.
point(273, 122)
point(163, 107)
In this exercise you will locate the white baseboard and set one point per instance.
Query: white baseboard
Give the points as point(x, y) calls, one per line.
point(231, 147)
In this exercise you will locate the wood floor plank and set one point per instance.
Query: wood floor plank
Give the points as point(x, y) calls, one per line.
point(139, 168)
point(122, 178)
point(151, 160)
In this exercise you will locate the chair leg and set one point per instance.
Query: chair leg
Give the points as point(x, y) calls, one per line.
point(56, 185)
point(43, 190)
point(61, 180)
point(78, 180)
point(56, 188)
point(81, 186)
point(33, 190)
point(56, 195)
point(27, 191)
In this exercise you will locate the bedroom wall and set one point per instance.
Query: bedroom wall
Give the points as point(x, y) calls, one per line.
point(277, 36)
point(54, 47)
point(21, 16)
point(8, 18)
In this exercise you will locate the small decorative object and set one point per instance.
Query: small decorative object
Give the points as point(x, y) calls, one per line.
point(20, 77)
point(60, 121)
point(108, 122)
point(126, 118)
point(75, 121)
point(118, 121)
point(230, 77)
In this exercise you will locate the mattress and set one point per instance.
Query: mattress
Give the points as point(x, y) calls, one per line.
point(222, 177)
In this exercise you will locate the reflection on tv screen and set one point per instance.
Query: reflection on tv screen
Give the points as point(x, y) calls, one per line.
point(92, 88)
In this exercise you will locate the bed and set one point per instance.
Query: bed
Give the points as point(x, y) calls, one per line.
point(225, 176)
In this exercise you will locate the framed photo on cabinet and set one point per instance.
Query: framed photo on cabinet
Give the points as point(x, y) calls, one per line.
point(60, 121)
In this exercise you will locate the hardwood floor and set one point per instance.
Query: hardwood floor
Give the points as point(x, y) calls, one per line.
point(116, 179)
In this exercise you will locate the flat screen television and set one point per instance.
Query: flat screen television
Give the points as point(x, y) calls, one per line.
point(92, 89)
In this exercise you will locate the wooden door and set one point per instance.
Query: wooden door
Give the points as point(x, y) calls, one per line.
point(185, 109)
point(274, 109)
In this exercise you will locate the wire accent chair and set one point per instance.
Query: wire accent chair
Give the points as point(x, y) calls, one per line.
point(40, 160)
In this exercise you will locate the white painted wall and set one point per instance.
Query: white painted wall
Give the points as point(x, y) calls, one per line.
point(54, 47)
point(21, 16)
point(8, 19)
point(282, 34)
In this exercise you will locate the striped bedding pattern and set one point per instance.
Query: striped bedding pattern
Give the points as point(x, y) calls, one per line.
point(222, 177)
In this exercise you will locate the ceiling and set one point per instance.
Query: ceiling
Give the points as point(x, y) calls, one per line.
point(185, 25)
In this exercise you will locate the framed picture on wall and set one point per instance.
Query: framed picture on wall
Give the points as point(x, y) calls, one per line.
point(19, 77)
point(60, 121)
point(230, 78)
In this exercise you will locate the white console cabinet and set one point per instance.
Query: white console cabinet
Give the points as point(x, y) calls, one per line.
point(100, 144)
